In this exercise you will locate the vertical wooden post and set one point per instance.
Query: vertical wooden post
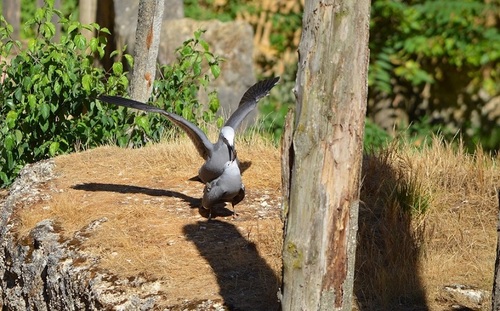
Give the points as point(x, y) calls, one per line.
point(327, 144)
point(147, 42)
point(88, 9)
point(495, 296)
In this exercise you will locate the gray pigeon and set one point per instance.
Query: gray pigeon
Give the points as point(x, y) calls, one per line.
point(228, 187)
point(215, 155)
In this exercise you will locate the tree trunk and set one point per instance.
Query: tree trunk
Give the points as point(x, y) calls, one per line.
point(105, 17)
point(325, 156)
point(11, 10)
point(87, 9)
point(147, 41)
point(496, 281)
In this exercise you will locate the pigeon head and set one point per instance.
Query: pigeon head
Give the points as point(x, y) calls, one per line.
point(227, 135)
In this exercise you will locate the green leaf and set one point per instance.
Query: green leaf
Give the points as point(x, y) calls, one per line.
point(50, 29)
point(204, 44)
point(73, 27)
point(45, 110)
point(9, 142)
point(80, 42)
point(4, 179)
point(32, 101)
point(95, 26)
point(215, 69)
point(18, 135)
point(130, 59)
point(197, 68)
point(57, 88)
point(105, 30)
point(44, 126)
point(117, 68)
point(143, 122)
point(94, 43)
point(11, 119)
point(54, 147)
point(86, 82)
point(18, 94)
point(8, 47)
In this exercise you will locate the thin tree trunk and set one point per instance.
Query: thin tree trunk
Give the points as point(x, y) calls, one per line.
point(105, 17)
point(326, 154)
point(496, 281)
point(87, 9)
point(12, 13)
point(147, 41)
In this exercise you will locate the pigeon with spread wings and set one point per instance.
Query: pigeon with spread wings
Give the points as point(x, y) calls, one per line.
point(216, 155)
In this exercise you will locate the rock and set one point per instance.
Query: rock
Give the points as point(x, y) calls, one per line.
point(465, 296)
point(126, 18)
point(231, 40)
point(46, 271)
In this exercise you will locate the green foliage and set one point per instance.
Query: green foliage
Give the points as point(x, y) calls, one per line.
point(416, 40)
point(69, 9)
point(47, 99)
point(443, 52)
point(48, 104)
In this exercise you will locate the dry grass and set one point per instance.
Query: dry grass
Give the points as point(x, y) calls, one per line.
point(155, 229)
point(427, 219)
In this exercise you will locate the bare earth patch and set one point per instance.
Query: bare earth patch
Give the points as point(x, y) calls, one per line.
point(154, 227)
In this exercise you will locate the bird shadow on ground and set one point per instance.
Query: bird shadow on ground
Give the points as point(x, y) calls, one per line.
point(218, 211)
point(120, 188)
point(246, 281)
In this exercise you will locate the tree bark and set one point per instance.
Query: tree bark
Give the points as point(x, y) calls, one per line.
point(496, 281)
point(12, 13)
point(326, 154)
point(105, 17)
point(87, 10)
point(147, 41)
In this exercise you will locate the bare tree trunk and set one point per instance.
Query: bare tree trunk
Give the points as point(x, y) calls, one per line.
point(326, 154)
point(496, 281)
point(88, 9)
point(147, 41)
point(105, 17)
point(12, 13)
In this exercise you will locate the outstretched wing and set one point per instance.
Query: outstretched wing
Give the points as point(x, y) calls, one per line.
point(199, 139)
point(249, 101)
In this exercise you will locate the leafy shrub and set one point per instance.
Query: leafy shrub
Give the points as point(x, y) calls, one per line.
point(49, 90)
point(438, 58)
point(46, 104)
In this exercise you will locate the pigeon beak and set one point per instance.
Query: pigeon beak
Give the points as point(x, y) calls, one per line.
point(232, 153)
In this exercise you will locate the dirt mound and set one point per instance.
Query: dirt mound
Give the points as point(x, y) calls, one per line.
point(154, 227)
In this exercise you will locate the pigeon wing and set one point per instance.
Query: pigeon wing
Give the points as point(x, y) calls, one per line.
point(249, 101)
point(197, 136)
